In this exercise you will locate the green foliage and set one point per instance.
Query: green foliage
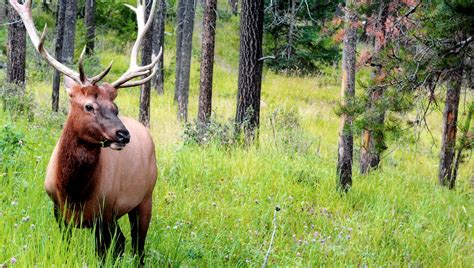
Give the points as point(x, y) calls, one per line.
point(311, 47)
point(11, 145)
point(114, 15)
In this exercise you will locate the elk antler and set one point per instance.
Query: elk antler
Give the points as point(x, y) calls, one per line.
point(134, 70)
point(24, 10)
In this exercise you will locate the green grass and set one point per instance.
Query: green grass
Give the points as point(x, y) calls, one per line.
point(214, 205)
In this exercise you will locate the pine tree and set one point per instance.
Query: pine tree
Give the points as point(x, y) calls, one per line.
point(58, 53)
point(346, 140)
point(144, 113)
point(159, 43)
point(250, 68)
point(185, 61)
point(207, 63)
point(16, 49)
point(90, 25)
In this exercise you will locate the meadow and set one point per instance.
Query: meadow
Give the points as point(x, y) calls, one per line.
point(214, 204)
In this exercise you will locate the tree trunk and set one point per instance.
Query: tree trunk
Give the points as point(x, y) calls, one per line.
point(144, 114)
point(16, 49)
point(159, 42)
point(346, 140)
point(90, 25)
point(58, 54)
point(291, 30)
point(69, 31)
point(234, 6)
point(207, 63)
point(463, 143)
point(448, 143)
point(373, 140)
point(250, 68)
point(186, 53)
point(179, 42)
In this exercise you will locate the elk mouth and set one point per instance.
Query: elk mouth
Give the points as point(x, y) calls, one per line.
point(117, 145)
point(114, 145)
point(121, 140)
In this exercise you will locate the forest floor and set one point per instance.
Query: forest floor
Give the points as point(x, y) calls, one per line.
point(214, 204)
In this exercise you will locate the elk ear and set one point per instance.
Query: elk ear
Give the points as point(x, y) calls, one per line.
point(69, 84)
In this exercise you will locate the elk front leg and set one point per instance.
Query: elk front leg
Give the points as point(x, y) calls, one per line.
point(66, 230)
point(139, 223)
point(104, 236)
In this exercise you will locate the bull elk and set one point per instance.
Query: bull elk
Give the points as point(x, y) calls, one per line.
point(103, 166)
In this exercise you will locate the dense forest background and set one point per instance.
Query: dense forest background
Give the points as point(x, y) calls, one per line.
point(359, 129)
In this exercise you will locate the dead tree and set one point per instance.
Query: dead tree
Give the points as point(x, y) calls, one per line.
point(250, 68)
point(450, 120)
point(346, 139)
point(207, 63)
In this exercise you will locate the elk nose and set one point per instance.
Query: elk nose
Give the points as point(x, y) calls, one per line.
point(123, 136)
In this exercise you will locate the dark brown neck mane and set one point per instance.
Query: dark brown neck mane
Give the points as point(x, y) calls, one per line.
point(77, 162)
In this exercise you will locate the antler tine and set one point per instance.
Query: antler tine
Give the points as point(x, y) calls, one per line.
point(24, 10)
point(134, 69)
point(100, 76)
point(141, 81)
point(82, 73)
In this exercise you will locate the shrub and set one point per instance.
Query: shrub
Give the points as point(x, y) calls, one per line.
point(16, 100)
point(287, 131)
point(216, 132)
point(11, 143)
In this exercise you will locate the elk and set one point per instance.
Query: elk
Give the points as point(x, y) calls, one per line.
point(103, 165)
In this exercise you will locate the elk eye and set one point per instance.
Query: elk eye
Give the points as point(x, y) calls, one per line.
point(89, 108)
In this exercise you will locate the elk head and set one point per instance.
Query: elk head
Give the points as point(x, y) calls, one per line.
point(93, 113)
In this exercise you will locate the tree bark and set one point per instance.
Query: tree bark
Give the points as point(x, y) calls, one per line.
point(16, 49)
point(179, 43)
point(291, 30)
point(250, 68)
point(159, 42)
point(144, 113)
point(346, 140)
point(58, 54)
point(186, 53)
point(90, 26)
point(207, 64)
point(448, 143)
point(234, 6)
point(373, 140)
point(69, 31)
